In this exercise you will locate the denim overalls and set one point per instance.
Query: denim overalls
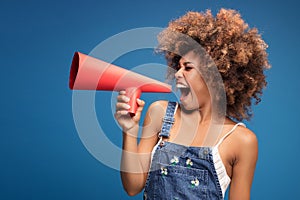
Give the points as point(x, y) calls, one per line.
point(181, 172)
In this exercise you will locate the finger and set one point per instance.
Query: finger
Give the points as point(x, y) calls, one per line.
point(122, 92)
point(121, 113)
point(122, 106)
point(140, 102)
point(123, 98)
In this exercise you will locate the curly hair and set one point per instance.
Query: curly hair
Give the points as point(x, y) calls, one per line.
point(238, 52)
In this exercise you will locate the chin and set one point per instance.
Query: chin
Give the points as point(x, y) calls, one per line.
point(189, 106)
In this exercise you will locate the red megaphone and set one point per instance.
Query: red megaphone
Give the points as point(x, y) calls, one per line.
point(88, 73)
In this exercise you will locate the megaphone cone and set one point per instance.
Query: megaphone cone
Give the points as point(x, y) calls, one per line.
point(88, 73)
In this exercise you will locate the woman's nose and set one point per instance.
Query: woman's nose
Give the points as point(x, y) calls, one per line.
point(178, 74)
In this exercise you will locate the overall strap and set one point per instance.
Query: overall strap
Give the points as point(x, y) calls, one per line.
point(227, 134)
point(168, 119)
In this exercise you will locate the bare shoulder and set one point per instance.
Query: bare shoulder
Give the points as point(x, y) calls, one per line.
point(154, 115)
point(246, 143)
point(158, 107)
point(156, 110)
point(245, 136)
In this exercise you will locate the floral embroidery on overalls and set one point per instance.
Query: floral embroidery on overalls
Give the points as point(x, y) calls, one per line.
point(164, 171)
point(189, 162)
point(195, 182)
point(174, 160)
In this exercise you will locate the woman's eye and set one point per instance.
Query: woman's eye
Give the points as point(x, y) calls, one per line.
point(187, 68)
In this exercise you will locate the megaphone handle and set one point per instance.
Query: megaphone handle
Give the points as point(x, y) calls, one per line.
point(133, 94)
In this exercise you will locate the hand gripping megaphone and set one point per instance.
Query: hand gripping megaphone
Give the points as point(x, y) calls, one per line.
point(88, 73)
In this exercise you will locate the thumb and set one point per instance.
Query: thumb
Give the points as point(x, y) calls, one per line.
point(140, 102)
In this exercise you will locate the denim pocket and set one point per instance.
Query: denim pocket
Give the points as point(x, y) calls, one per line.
point(178, 182)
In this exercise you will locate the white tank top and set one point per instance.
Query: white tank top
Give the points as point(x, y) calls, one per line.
point(223, 177)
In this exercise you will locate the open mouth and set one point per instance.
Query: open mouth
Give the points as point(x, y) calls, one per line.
point(184, 89)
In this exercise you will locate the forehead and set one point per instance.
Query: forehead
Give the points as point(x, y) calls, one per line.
point(190, 57)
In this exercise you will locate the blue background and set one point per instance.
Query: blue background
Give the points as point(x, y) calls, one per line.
point(41, 154)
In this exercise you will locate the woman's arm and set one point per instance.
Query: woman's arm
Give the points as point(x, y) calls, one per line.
point(244, 166)
point(136, 157)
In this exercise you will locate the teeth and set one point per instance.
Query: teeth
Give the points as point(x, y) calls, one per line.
point(179, 85)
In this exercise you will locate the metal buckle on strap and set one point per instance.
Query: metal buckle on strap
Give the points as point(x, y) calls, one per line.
point(170, 120)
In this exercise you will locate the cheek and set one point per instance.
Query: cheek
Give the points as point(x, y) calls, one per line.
point(200, 89)
point(197, 82)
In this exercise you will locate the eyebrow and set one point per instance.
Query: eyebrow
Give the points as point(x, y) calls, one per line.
point(185, 63)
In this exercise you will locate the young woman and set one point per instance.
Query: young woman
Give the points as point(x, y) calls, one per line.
point(172, 159)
